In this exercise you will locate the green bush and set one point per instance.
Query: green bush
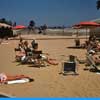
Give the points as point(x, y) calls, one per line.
point(5, 32)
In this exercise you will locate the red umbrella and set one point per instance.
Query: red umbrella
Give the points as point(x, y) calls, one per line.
point(19, 27)
point(87, 25)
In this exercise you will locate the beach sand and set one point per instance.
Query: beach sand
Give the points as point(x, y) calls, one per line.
point(48, 82)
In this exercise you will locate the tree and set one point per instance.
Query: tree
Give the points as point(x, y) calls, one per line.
point(32, 23)
point(98, 4)
point(9, 22)
point(3, 20)
point(31, 26)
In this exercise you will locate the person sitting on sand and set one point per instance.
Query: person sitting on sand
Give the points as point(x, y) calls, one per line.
point(20, 45)
point(27, 50)
point(33, 43)
point(43, 56)
point(26, 46)
point(36, 49)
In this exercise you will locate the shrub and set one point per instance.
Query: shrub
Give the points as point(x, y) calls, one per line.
point(5, 32)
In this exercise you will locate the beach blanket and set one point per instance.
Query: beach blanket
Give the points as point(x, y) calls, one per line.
point(52, 61)
point(6, 79)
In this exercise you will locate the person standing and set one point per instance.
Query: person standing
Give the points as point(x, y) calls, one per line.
point(44, 29)
point(31, 26)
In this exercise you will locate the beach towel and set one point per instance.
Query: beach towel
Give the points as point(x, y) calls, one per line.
point(20, 54)
point(6, 79)
point(52, 61)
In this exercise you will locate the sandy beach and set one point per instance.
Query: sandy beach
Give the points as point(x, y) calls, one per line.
point(48, 82)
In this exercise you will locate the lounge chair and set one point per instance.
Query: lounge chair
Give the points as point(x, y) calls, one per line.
point(92, 64)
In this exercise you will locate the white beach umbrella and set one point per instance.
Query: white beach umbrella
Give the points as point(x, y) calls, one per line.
point(4, 25)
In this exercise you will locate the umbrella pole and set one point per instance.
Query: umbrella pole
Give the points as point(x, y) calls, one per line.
point(86, 33)
point(77, 34)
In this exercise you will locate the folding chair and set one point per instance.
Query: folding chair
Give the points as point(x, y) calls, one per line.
point(38, 59)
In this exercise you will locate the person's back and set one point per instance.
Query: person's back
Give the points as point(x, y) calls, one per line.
point(33, 43)
point(26, 48)
point(21, 43)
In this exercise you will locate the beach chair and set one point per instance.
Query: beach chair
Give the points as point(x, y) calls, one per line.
point(92, 64)
point(38, 61)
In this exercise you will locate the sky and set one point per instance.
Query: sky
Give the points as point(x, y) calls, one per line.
point(50, 12)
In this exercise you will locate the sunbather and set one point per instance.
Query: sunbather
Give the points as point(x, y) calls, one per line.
point(20, 45)
point(95, 57)
point(32, 43)
point(40, 56)
point(21, 42)
point(5, 79)
point(28, 53)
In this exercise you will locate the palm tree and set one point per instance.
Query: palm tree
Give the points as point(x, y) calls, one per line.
point(3, 20)
point(31, 26)
point(32, 23)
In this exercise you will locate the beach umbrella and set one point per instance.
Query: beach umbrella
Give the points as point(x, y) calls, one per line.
point(87, 25)
point(4, 25)
point(90, 23)
point(77, 28)
point(19, 27)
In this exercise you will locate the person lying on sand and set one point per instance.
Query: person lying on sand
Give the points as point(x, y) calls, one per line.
point(6, 79)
